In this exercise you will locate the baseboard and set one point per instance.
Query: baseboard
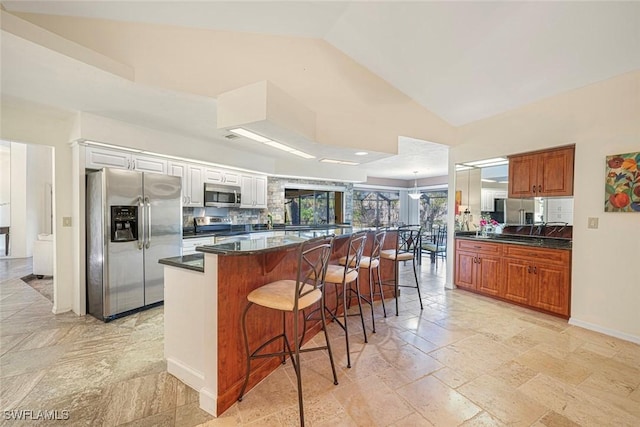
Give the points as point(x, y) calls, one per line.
point(208, 402)
point(606, 331)
point(190, 377)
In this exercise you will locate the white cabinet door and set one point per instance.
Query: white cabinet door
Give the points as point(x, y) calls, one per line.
point(247, 195)
point(253, 191)
point(98, 158)
point(148, 164)
point(195, 182)
point(180, 169)
point(221, 176)
point(231, 178)
point(260, 191)
point(189, 245)
point(486, 200)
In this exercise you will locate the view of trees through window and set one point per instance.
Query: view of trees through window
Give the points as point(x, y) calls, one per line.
point(310, 207)
point(433, 209)
point(376, 208)
point(382, 208)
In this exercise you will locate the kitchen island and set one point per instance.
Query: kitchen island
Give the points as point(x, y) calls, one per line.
point(203, 305)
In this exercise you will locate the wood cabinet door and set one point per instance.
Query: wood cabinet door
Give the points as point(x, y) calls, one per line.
point(488, 274)
point(555, 173)
point(465, 270)
point(550, 289)
point(522, 175)
point(517, 280)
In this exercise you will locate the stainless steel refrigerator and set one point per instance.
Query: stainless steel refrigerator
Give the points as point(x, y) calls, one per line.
point(133, 220)
point(514, 211)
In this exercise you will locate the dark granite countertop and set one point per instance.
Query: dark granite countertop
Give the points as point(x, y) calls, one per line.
point(252, 246)
point(259, 228)
point(536, 241)
point(193, 262)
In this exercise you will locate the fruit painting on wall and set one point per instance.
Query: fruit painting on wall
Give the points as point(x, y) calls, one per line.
point(622, 187)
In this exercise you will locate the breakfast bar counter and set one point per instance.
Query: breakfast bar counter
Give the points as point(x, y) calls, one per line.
point(202, 310)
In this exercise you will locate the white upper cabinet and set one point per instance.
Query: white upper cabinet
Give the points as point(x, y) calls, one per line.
point(192, 185)
point(253, 192)
point(221, 176)
point(97, 158)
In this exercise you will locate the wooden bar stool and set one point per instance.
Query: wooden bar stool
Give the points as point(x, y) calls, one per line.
point(293, 296)
point(407, 247)
point(345, 276)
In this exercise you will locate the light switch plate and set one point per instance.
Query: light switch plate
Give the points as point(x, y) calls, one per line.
point(593, 222)
point(66, 221)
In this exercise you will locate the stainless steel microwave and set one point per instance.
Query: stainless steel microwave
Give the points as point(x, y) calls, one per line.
point(221, 196)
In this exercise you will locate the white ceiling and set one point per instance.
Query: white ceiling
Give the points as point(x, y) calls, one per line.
point(464, 61)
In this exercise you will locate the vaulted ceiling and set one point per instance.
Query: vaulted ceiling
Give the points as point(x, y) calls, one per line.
point(463, 61)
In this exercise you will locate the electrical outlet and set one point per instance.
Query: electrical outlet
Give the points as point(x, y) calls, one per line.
point(66, 221)
point(592, 223)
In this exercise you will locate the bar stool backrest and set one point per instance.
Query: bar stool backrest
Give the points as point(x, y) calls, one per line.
point(312, 265)
point(378, 243)
point(354, 251)
point(408, 239)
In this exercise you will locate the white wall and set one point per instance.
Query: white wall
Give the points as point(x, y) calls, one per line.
point(601, 119)
point(5, 184)
point(19, 229)
point(35, 124)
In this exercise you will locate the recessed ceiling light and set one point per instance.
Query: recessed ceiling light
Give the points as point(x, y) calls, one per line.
point(361, 153)
point(463, 168)
point(488, 180)
point(249, 134)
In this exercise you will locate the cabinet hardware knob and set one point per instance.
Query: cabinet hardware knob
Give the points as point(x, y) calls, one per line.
point(535, 270)
point(533, 189)
point(539, 188)
point(529, 269)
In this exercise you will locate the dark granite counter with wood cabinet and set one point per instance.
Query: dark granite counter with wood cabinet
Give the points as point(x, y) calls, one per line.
point(528, 270)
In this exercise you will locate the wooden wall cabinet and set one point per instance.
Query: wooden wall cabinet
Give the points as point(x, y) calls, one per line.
point(546, 173)
point(529, 276)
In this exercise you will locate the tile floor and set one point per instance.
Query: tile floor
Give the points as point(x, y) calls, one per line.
point(464, 360)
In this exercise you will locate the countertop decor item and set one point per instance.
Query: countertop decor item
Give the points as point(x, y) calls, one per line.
point(622, 183)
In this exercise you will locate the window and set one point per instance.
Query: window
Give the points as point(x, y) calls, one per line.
point(433, 208)
point(310, 207)
point(376, 208)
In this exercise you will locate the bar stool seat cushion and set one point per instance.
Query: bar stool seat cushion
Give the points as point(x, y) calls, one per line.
point(365, 262)
point(281, 295)
point(391, 254)
point(336, 272)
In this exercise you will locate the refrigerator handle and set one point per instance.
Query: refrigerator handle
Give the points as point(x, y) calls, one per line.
point(148, 223)
point(140, 223)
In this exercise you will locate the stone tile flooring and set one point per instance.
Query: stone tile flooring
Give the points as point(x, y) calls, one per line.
point(464, 360)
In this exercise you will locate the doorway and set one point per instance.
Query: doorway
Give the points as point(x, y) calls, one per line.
point(26, 211)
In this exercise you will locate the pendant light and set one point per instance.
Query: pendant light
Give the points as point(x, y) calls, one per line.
point(415, 194)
